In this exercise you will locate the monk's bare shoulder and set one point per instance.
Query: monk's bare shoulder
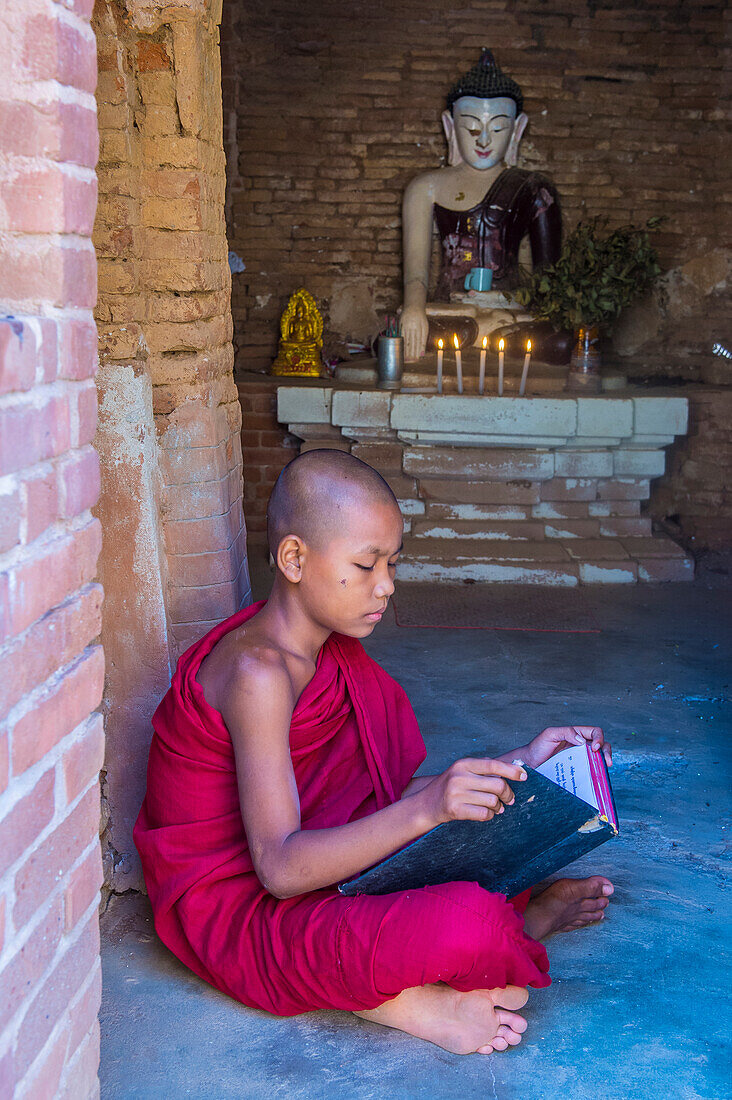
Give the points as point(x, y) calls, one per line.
point(244, 673)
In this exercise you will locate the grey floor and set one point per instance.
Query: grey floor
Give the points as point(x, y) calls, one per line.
point(638, 1006)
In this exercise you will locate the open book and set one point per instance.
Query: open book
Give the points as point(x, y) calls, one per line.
point(563, 810)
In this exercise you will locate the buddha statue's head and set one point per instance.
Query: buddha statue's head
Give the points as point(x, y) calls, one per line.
point(484, 120)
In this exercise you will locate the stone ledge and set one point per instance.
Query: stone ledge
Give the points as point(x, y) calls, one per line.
point(304, 404)
point(660, 416)
point(494, 416)
point(361, 408)
point(604, 416)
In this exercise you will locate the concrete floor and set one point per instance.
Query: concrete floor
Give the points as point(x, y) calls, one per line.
point(638, 1007)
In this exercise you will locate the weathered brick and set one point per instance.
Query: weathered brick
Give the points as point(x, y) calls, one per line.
point(474, 464)
point(33, 431)
point(54, 995)
point(52, 642)
point(24, 969)
point(569, 489)
point(480, 492)
point(44, 581)
point(83, 887)
point(27, 819)
point(82, 760)
point(46, 865)
point(623, 489)
point(58, 709)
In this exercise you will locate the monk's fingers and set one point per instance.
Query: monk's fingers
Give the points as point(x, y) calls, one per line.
point(485, 766)
point(593, 734)
point(470, 812)
point(496, 790)
point(607, 752)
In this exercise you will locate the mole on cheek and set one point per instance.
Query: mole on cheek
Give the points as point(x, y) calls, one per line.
point(343, 582)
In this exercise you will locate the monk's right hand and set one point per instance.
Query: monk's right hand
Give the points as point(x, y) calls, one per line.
point(472, 789)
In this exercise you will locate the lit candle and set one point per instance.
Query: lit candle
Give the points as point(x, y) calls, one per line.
point(525, 371)
point(481, 376)
point(500, 368)
point(458, 363)
point(439, 366)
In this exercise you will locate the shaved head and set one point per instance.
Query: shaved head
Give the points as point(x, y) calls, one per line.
point(314, 493)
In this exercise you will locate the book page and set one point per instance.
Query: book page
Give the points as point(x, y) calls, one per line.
point(571, 769)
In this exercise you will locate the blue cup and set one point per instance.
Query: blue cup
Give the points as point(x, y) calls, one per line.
point(480, 278)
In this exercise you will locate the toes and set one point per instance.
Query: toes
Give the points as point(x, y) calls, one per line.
point(499, 1042)
point(592, 905)
point(584, 921)
point(511, 1020)
point(513, 996)
point(513, 1038)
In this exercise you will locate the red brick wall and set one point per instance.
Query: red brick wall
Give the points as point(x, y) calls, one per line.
point(329, 110)
point(51, 670)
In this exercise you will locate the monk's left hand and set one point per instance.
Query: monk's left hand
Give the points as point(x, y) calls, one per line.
point(555, 738)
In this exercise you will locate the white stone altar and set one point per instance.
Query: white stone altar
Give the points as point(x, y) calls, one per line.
point(538, 490)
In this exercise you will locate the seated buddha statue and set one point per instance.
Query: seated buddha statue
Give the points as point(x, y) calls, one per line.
point(301, 337)
point(483, 206)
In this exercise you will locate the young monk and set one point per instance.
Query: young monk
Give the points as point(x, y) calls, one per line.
point(283, 762)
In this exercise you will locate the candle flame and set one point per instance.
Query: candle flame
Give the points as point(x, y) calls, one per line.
point(456, 342)
point(439, 344)
point(500, 344)
point(528, 345)
point(485, 341)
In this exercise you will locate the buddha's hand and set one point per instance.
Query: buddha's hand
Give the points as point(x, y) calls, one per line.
point(472, 789)
point(414, 328)
point(555, 738)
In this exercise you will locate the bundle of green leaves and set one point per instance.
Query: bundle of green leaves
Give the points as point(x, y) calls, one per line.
point(598, 273)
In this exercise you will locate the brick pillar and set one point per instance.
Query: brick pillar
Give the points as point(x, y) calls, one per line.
point(51, 670)
point(174, 555)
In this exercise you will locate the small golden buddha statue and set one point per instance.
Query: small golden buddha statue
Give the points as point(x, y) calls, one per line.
point(301, 337)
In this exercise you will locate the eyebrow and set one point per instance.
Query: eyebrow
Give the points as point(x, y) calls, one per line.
point(378, 552)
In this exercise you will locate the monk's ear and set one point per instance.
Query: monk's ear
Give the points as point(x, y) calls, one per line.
point(519, 126)
point(454, 155)
point(290, 558)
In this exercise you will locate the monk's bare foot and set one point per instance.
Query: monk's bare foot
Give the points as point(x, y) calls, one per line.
point(566, 904)
point(463, 1023)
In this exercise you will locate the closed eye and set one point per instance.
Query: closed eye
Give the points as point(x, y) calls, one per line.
point(366, 568)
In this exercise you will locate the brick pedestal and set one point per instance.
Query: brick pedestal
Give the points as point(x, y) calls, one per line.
point(529, 490)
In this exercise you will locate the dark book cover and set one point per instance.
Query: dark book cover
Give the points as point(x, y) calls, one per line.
point(546, 828)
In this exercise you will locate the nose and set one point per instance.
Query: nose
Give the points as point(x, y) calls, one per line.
point(384, 588)
point(484, 140)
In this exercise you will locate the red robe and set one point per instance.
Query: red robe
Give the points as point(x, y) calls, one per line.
point(355, 745)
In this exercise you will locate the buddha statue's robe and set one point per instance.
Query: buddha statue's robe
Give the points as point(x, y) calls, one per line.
point(517, 204)
point(355, 745)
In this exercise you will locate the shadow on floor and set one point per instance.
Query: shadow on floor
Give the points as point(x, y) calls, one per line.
point(637, 1008)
